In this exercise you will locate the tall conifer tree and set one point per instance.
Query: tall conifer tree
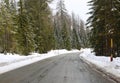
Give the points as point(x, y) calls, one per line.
point(104, 20)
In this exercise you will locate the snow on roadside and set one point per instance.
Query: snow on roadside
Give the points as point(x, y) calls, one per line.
point(102, 61)
point(9, 62)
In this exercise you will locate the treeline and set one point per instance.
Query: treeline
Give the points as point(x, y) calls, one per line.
point(70, 31)
point(29, 26)
point(105, 24)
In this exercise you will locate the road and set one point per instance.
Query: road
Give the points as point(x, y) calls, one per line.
point(67, 68)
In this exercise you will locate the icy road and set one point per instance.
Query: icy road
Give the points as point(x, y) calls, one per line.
point(65, 68)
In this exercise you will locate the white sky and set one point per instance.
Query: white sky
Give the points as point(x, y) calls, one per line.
point(79, 7)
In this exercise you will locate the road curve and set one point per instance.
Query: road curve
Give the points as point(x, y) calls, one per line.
point(66, 68)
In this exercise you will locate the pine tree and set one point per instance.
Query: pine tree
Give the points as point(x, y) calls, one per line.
point(57, 35)
point(104, 18)
point(40, 14)
point(25, 34)
point(80, 38)
point(7, 27)
point(75, 34)
point(83, 34)
point(64, 28)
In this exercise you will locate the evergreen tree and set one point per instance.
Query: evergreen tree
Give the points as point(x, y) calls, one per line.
point(104, 20)
point(63, 26)
point(7, 26)
point(57, 34)
point(80, 38)
point(40, 15)
point(75, 33)
point(25, 34)
point(83, 34)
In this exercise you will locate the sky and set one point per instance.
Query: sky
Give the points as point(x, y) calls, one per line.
point(79, 7)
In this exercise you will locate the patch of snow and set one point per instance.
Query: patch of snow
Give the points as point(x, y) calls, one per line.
point(102, 61)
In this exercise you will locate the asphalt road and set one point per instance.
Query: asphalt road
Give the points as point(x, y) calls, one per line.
point(67, 68)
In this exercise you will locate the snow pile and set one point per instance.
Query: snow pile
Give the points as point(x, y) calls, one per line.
point(102, 61)
point(9, 62)
point(61, 51)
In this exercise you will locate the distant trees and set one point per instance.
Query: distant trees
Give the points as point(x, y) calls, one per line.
point(80, 33)
point(104, 20)
point(63, 21)
point(70, 32)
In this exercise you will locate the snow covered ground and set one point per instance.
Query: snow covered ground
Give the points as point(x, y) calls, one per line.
point(9, 62)
point(102, 62)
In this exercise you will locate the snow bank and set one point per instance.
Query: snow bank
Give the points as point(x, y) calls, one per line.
point(9, 62)
point(102, 62)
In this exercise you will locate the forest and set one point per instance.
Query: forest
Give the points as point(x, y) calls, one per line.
point(30, 26)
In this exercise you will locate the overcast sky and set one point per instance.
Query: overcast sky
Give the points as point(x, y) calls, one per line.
point(79, 7)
